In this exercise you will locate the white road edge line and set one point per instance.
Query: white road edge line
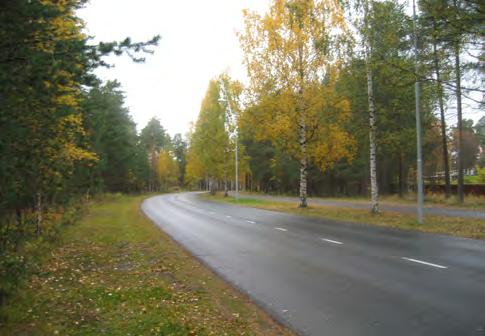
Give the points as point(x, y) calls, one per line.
point(332, 241)
point(228, 216)
point(424, 262)
point(251, 222)
point(281, 229)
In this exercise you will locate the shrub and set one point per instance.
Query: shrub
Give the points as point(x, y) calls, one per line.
point(21, 247)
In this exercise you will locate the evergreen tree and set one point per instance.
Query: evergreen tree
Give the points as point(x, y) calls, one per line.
point(180, 150)
point(153, 139)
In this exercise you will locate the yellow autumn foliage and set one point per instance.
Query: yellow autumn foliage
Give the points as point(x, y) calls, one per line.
point(168, 171)
point(290, 59)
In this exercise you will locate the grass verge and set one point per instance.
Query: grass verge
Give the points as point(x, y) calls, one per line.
point(430, 199)
point(115, 273)
point(455, 226)
point(438, 200)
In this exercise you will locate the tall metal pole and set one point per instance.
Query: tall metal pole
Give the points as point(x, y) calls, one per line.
point(417, 89)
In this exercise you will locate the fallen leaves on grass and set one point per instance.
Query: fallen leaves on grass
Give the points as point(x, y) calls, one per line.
point(116, 274)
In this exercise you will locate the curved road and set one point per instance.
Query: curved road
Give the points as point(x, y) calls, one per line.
point(322, 277)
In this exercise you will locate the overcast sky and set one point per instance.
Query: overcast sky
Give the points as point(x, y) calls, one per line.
point(198, 43)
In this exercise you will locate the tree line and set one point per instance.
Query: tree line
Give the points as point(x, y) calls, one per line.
point(330, 104)
point(328, 110)
point(64, 134)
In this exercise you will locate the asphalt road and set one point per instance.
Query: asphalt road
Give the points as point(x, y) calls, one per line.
point(403, 208)
point(322, 277)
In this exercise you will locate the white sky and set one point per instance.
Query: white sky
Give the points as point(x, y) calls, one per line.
point(198, 43)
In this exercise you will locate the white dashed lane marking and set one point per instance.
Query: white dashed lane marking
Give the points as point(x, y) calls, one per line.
point(424, 262)
point(332, 241)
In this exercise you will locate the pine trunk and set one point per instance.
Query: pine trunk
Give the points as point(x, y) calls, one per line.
point(439, 86)
point(459, 123)
point(459, 115)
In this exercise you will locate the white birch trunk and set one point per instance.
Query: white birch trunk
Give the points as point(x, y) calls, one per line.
point(374, 191)
point(225, 175)
point(302, 132)
point(303, 162)
point(372, 123)
point(212, 186)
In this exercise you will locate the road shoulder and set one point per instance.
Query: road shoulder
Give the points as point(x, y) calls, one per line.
point(117, 273)
point(453, 226)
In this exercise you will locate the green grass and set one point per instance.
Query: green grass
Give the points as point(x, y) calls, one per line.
point(115, 273)
point(455, 226)
point(439, 200)
point(477, 179)
point(435, 200)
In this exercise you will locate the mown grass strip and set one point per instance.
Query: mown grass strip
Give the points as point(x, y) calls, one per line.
point(430, 199)
point(115, 273)
point(455, 226)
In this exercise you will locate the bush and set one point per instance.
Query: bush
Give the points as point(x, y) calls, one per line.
point(20, 247)
point(12, 267)
point(481, 175)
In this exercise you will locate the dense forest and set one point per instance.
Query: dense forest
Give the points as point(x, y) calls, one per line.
point(64, 134)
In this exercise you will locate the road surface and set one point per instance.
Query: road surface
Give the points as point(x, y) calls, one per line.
point(322, 277)
point(403, 208)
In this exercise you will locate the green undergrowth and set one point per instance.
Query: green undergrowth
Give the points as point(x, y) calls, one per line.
point(116, 273)
point(455, 226)
point(22, 249)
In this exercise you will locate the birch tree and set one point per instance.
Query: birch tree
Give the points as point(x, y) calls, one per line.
point(210, 138)
point(168, 172)
point(289, 55)
point(374, 189)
